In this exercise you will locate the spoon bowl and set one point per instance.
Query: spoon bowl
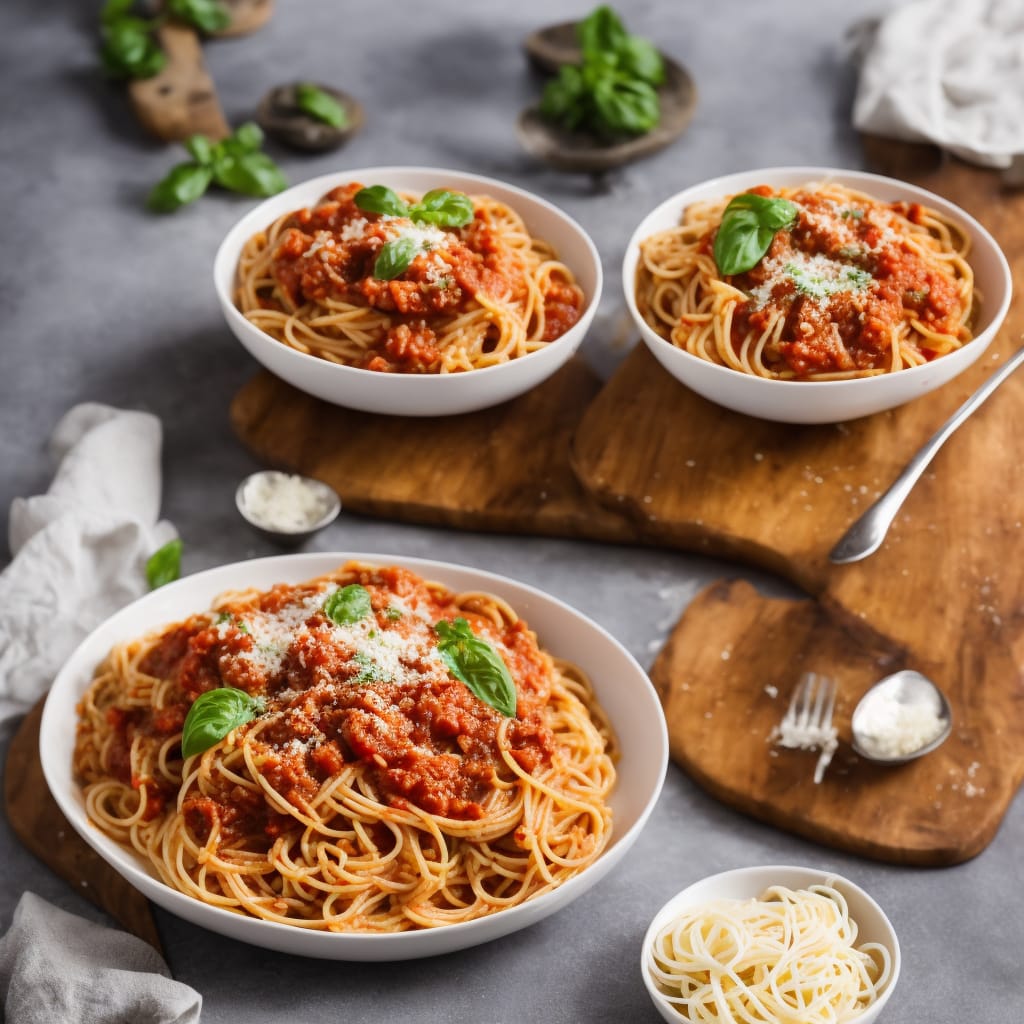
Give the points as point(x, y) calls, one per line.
point(901, 718)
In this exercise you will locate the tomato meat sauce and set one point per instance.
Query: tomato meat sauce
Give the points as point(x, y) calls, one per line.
point(845, 278)
point(374, 693)
point(329, 252)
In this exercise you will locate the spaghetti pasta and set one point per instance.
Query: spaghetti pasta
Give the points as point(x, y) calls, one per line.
point(786, 958)
point(471, 297)
point(372, 790)
point(854, 287)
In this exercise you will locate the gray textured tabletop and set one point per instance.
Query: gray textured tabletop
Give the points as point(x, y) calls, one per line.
point(106, 302)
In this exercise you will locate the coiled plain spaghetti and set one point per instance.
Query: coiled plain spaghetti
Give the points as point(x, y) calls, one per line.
point(373, 791)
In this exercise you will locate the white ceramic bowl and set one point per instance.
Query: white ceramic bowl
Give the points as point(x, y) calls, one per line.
point(822, 401)
point(749, 883)
point(620, 683)
point(413, 394)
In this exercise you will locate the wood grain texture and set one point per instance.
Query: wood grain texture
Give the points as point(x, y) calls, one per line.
point(181, 100)
point(41, 826)
point(501, 469)
point(943, 594)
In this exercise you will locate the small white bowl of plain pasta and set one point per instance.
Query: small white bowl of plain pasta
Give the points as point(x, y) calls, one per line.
point(411, 291)
point(813, 295)
point(776, 943)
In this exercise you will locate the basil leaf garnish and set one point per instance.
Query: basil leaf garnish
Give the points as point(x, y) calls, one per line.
point(476, 663)
point(247, 138)
point(394, 258)
point(164, 565)
point(213, 715)
point(626, 105)
point(601, 32)
point(640, 58)
point(206, 15)
point(348, 605)
point(748, 226)
point(380, 199)
point(183, 184)
point(439, 206)
point(321, 105)
point(128, 48)
point(200, 148)
point(252, 174)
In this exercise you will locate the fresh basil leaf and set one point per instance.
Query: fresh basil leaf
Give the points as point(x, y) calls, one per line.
point(252, 174)
point(183, 184)
point(200, 148)
point(164, 565)
point(206, 15)
point(248, 137)
point(439, 206)
point(748, 226)
point(321, 105)
point(564, 98)
point(473, 661)
point(213, 715)
point(625, 105)
point(639, 58)
point(380, 199)
point(601, 32)
point(394, 259)
point(129, 50)
point(114, 9)
point(348, 605)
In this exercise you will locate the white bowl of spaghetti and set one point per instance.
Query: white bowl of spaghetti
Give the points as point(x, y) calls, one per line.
point(383, 289)
point(843, 293)
point(774, 943)
point(360, 800)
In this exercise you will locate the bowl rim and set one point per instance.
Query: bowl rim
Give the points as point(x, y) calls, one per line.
point(225, 265)
point(814, 876)
point(811, 173)
point(74, 676)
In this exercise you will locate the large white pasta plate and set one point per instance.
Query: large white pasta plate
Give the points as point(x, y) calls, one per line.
point(413, 394)
point(822, 401)
point(620, 683)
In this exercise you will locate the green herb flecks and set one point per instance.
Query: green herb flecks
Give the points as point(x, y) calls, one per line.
point(823, 285)
point(164, 565)
point(439, 207)
point(348, 605)
point(748, 226)
point(213, 715)
point(128, 45)
point(392, 613)
point(320, 105)
point(613, 90)
point(234, 163)
point(370, 671)
point(473, 661)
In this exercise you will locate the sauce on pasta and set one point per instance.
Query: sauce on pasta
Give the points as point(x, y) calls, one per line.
point(856, 287)
point(374, 790)
point(472, 296)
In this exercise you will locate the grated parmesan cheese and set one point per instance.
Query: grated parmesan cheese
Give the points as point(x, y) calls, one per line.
point(889, 728)
point(283, 502)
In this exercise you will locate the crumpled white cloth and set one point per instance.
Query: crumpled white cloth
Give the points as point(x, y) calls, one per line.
point(79, 550)
point(949, 72)
point(55, 966)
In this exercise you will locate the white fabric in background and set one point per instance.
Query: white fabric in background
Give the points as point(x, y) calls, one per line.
point(56, 968)
point(949, 72)
point(79, 550)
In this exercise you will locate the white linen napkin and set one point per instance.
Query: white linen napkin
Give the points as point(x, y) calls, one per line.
point(55, 966)
point(949, 72)
point(79, 550)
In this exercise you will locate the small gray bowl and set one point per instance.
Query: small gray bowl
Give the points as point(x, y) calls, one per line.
point(316, 505)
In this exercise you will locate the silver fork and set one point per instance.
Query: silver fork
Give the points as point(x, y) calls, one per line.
point(807, 723)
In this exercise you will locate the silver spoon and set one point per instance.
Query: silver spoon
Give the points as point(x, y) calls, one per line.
point(902, 717)
point(865, 536)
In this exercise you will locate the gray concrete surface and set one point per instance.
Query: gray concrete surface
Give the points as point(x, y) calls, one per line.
point(103, 301)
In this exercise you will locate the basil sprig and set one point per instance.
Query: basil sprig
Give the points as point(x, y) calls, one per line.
point(613, 91)
point(748, 226)
point(318, 104)
point(128, 48)
point(440, 207)
point(234, 163)
point(213, 715)
point(348, 605)
point(164, 565)
point(476, 663)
